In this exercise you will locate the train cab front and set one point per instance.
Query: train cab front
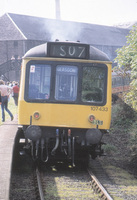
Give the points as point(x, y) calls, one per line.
point(64, 101)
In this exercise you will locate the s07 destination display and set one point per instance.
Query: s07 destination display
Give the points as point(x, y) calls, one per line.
point(70, 50)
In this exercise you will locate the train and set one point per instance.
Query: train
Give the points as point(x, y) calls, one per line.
point(120, 85)
point(64, 105)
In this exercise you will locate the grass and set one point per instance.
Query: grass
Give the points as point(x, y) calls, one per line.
point(126, 182)
point(12, 108)
point(109, 148)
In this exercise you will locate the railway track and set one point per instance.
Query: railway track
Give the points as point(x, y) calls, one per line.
point(40, 192)
point(69, 183)
point(55, 181)
point(98, 187)
point(63, 182)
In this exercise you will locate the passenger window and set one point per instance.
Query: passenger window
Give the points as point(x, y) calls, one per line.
point(66, 83)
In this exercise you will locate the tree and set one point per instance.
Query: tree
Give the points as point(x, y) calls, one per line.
point(127, 62)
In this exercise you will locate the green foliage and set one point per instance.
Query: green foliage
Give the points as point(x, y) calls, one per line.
point(127, 61)
point(122, 115)
point(109, 148)
point(124, 122)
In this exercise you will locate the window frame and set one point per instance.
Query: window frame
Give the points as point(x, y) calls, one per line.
point(54, 64)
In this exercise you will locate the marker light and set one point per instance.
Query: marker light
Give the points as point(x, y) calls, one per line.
point(91, 118)
point(36, 115)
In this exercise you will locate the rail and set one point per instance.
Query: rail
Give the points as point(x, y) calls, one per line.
point(39, 182)
point(98, 187)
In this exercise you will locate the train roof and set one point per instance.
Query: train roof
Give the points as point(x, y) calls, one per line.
point(41, 51)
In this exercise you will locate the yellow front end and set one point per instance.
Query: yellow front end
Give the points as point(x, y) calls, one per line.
point(65, 115)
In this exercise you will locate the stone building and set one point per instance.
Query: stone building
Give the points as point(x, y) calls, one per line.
point(19, 33)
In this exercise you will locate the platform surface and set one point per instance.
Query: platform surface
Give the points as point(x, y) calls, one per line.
point(8, 132)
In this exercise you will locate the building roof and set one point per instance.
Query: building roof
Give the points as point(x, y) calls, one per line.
point(9, 30)
point(20, 27)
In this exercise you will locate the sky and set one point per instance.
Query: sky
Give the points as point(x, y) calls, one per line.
point(103, 12)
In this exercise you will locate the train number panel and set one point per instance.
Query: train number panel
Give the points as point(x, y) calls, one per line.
point(65, 100)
